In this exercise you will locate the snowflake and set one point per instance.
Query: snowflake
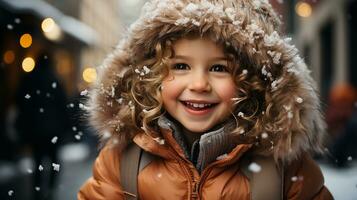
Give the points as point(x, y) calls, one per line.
point(146, 69)
point(160, 140)
point(106, 135)
point(54, 140)
point(27, 96)
point(10, 26)
point(274, 84)
point(230, 12)
point(271, 40)
point(84, 92)
point(17, 20)
point(83, 107)
point(290, 115)
point(254, 167)
point(245, 72)
point(71, 105)
point(54, 85)
point(182, 21)
point(264, 135)
point(190, 8)
point(294, 178)
point(240, 114)
point(349, 158)
point(10, 192)
point(56, 167)
point(37, 188)
point(74, 128)
point(77, 136)
point(120, 100)
point(29, 171)
point(41, 110)
point(195, 22)
point(299, 100)
point(297, 178)
point(38, 92)
point(221, 157)
point(40, 167)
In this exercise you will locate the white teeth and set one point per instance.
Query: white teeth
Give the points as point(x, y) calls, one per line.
point(198, 105)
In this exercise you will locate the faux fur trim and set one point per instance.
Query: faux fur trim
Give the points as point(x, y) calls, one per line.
point(249, 26)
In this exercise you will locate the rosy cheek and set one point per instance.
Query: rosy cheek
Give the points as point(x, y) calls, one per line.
point(227, 91)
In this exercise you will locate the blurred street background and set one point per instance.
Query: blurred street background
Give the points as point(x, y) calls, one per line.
point(49, 52)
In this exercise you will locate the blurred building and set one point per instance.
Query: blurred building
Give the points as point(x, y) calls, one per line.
point(324, 32)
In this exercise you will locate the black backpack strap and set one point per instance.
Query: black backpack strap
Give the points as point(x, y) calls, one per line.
point(268, 183)
point(133, 160)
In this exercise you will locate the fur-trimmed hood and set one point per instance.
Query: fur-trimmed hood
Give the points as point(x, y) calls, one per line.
point(250, 27)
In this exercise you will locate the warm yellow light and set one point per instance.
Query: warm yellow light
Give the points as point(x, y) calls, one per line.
point(47, 25)
point(9, 57)
point(89, 75)
point(26, 40)
point(28, 64)
point(51, 30)
point(303, 9)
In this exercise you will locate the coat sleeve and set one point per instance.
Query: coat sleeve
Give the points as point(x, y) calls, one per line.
point(304, 180)
point(104, 183)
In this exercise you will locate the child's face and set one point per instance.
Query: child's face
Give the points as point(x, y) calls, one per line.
point(199, 88)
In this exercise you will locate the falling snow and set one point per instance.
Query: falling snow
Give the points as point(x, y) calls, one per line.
point(54, 140)
point(160, 140)
point(40, 167)
point(10, 192)
point(54, 85)
point(264, 135)
point(221, 157)
point(17, 20)
point(84, 92)
point(77, 136)
point(10, 26)
point(37, 188)
point(299, 100)
point(56, 167)
point(41, 110)
point(27, 96)
point(254, 167)
point(29, 171)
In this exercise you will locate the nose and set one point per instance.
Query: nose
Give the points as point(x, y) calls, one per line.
point(199, 82)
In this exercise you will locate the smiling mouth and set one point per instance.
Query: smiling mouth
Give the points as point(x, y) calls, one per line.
point(198, 106)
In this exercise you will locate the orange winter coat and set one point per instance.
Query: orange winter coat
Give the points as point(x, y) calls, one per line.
point(288, 115)
point(172, 176)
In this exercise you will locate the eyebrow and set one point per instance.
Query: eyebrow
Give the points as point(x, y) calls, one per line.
point(189, 57)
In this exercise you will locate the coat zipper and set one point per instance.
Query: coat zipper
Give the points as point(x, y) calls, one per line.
point(194, 183)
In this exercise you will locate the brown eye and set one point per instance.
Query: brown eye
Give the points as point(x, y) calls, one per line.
point(219, 68)
point(180, 66)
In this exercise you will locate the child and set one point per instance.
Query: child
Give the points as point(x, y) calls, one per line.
point(212, 92)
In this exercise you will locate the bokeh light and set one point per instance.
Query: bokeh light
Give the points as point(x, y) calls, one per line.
point(47, 25)
point(26, 40)
point(89, 75)
point(28, 64)
point(9, 57)
point(303, 9)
